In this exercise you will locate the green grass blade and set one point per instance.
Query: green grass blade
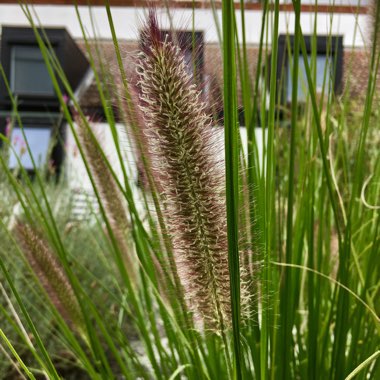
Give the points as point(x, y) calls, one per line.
point(232, 168)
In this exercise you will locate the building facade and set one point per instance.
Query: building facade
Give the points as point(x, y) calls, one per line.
point(342, 40)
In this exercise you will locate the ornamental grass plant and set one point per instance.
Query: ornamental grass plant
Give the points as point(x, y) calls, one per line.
point(259, 263)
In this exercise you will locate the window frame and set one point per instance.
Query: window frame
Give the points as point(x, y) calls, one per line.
point(52, 122)
point(14, 36)
point(71, 58)
point(38, 109)
point(12, 74)
point(335, 52)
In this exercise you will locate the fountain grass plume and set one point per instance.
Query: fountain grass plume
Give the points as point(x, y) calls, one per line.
point(49, 272)
point(374, 11)
point(135, 127)
point(183, 145)
point(111, 196)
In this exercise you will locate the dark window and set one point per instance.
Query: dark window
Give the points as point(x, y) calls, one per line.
point(29, 75)
point(322, 68)
point(37, 102)
point(26, 71)
point(325, 57)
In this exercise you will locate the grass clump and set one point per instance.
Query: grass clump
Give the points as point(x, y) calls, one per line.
point(156, 278)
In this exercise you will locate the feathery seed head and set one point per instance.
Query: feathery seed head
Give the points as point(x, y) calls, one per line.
point(151, 34)
point(185, 162)
point(374, 12)
point(111, 196)
point(49, 272)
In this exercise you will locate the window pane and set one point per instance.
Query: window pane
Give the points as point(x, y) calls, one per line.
point(38, 140)
point(323, 64)
point(29, 74)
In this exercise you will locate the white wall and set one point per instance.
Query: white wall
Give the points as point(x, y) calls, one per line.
point(127, 22)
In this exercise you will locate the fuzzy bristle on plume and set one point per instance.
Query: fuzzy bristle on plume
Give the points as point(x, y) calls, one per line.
point(374, 13)
point(49, 272)
point(111, 196)
point(183, 145)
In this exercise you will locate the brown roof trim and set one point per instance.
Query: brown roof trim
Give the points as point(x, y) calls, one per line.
point(198, 4)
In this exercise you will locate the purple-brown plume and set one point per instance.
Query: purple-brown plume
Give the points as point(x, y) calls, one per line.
point(49, 272)
point(183, 144)
point(111, 196)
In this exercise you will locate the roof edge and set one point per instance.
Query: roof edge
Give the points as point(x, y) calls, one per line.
point(199, 4)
